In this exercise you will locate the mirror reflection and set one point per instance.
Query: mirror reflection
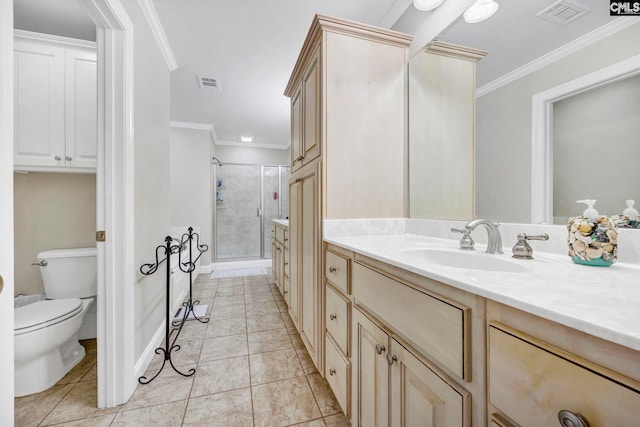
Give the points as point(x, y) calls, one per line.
point(529, 55)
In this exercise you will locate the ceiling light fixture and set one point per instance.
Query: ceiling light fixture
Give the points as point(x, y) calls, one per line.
point(480, 10)
point(427, 4)
point(246, 138)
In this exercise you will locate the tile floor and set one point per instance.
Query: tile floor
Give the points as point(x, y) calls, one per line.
point(251, 370)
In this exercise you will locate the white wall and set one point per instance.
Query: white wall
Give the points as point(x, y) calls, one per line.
point(252, 155)
point(503, 127)
point(192, 183)
point(152, 188)
point(6, 213)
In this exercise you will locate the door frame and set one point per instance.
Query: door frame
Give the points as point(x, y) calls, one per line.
point(115, 202)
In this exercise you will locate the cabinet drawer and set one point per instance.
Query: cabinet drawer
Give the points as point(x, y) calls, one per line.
point(337, 319)
point(530, 382)
point(338, 373)
point(337, 271)
point(437, 326)
point(280, 234)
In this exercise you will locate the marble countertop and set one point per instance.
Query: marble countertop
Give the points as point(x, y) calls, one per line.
point(282, 222)
point(601, 301)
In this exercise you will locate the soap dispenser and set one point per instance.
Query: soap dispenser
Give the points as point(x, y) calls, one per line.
point(629, 217)
point(593, 238)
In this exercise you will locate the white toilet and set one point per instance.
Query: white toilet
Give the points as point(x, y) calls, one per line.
point(46, 332)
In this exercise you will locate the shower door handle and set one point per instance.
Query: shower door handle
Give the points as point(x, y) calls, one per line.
point(259, 212)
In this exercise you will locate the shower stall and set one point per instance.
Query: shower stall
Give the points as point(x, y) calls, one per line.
point(247, 198)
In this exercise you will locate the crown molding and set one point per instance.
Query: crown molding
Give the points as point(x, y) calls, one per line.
point(252, 145)
point(397, 9)
point(52, 39)
point(191, 125)
point(588, 39)
point(149, 12)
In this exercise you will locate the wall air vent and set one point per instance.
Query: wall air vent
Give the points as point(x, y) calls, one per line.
point(208, 83)
point(563, 12)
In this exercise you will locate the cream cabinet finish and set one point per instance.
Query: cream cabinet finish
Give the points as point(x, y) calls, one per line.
point(292, 298)
point(348, 94)
point(55, 92)
point(338, 375)
point(536, 369)
point(280, 258)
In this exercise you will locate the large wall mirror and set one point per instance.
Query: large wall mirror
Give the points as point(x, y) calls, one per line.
point(529, 56)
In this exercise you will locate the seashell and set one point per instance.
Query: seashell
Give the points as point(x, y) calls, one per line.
point(574, 227)
point(572, 237)
point(594, 253)
point(571, 252)
point(579, 246)
point(585, 227)
point(582, 238)
point(612, 235)
point(608, 247)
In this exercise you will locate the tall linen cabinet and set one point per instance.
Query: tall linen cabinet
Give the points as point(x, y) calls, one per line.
point(348, 95)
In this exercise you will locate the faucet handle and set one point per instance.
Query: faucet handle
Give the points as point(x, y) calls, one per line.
point(466, 242)
point(522, 249)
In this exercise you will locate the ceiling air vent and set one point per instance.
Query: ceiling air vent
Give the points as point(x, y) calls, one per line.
point(563, 12)
point(208, 83)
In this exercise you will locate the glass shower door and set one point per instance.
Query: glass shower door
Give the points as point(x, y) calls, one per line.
point(238, 219)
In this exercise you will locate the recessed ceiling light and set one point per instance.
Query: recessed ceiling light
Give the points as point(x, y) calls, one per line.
point(480, 10)
point(427, 4)
point(245, 138)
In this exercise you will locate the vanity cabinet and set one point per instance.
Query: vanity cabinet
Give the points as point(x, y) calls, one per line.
point(535, 373)
point(55, 103)
point(348, 94)
point(280, 257)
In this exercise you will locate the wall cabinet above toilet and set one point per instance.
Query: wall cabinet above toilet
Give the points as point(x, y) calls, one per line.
point(55, 103)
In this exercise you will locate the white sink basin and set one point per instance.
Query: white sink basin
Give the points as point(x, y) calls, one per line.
point(456, 258)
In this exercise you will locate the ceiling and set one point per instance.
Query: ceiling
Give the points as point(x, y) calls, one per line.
point(250, 48)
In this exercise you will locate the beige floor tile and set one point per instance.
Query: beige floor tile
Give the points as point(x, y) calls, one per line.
point(225, 327)
point(230, 282)
point(258, 297)
point(101, 421)
point(274, 366)
point(229, 291)
point(255, 280)
point(282, 306)
point(186, 356)
point(81, 402)
point(254, 289)
point(338, 420)
point(261, 308)
point(288, 323)
point(263, 341)
point(92, 374)
point(224, 347)
point(31, 410)
point(231, 408)
point(169, 386)
point(324, 395)
point(295, 339)
point(227, 312)
point(80, 370)
point(283, 403)
point(305, 361)
point(163, 415)
point(222, 301)
point(90, 346)
point(221, 375)
point(313, 423)
point(202, 292)
point(277, 295)
point(193, 330)
point(264, 322)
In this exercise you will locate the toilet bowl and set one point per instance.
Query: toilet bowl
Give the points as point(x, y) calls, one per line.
point(46, 332)
point(46, 342)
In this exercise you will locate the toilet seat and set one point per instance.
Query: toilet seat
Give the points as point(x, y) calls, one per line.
point(45, 313)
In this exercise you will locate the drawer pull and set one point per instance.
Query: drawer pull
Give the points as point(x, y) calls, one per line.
point(332, 269)
point(286, 263)
point(58, 158)
point(286, 292)
point(391, 358)
point(570, 419)
point(379, 348)
point(333, 316)
point(332, 371)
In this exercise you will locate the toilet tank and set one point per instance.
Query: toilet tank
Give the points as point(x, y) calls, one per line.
point(69, 273)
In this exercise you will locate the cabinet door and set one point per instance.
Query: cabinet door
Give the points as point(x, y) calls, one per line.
point(39, 105)
point(420, 395)
point(82, 109)
point(295, 189)
point(371, 373)
point(309, 265)
point(311, 109)
point(296, 129)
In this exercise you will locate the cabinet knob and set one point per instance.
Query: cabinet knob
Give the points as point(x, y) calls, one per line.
point(332, 371)
point(332, 269)
point(286, 263)
point(68, 158)
point(278, 248)
point(391, 358)
point(379, 348)
point(333, 316)
point(570, 419)
point(300, 158)
point(286, 292)
point(58, 158)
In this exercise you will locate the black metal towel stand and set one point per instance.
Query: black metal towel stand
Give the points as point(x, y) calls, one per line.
point(170, 248)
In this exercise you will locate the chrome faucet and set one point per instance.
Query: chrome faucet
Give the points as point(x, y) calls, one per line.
point(494, 244)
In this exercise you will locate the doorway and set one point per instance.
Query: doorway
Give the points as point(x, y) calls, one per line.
point(247, 198)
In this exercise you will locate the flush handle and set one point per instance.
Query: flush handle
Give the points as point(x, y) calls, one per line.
point(42, 263)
